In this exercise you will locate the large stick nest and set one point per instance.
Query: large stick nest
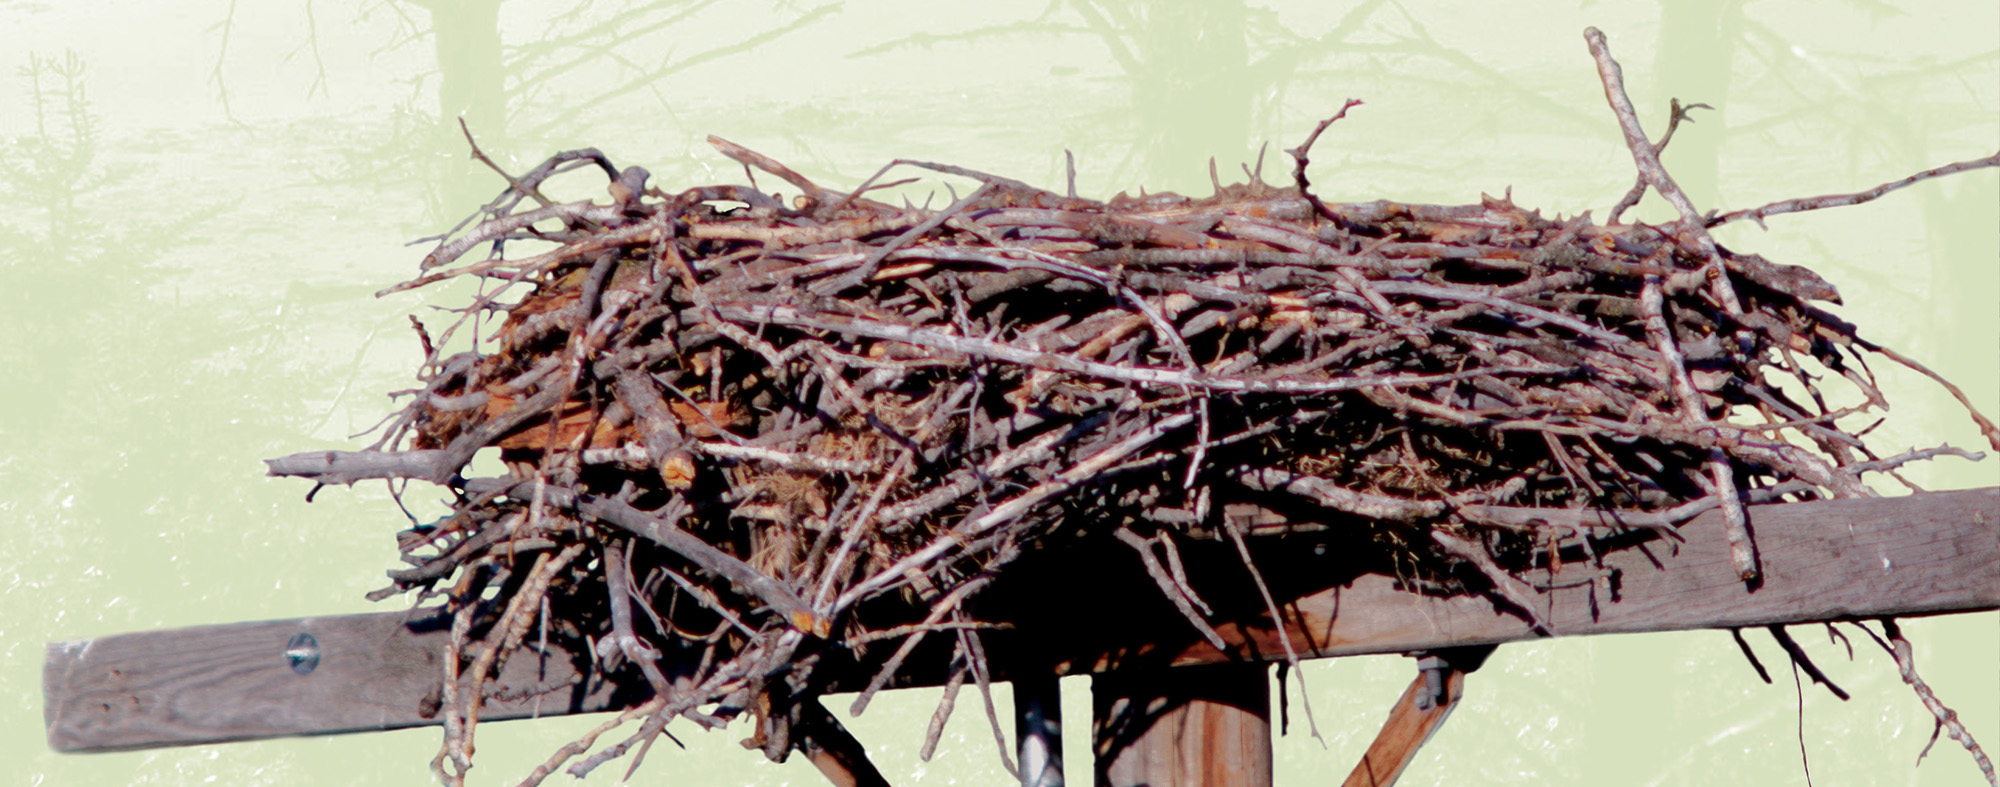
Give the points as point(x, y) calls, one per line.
point(752, 419)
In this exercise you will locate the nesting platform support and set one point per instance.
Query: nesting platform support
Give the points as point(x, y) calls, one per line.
point(1206, 726)
point(1417, 715)
point(1038, 729)
point(1925, 554)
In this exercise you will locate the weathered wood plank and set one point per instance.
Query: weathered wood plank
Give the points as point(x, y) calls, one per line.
point(1923, 554)
point(1919, 555)
point(209, 684)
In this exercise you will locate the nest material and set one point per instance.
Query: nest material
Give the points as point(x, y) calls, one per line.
point(749, 418)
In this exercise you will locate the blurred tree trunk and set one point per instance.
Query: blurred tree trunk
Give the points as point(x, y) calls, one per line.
point(1697, 43)
point(1188, 69)
point(471, 85)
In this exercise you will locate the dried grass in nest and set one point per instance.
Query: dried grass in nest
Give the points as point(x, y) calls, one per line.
point(730, 421)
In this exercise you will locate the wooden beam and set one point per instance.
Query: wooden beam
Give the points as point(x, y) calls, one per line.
point(1406, 731)
point(828, 745)
point(1206, 726)
point(1925, 554)
point(1919, 555)
point(1417, 715)
point(208, 684)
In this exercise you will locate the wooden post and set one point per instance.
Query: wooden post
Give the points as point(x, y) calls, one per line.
point(1038, 729)
point(1417, 715)
point(1207, 726)
point(833, 750)
point(1409, 726)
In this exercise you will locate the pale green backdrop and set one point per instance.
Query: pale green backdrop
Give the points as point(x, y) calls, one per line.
point(197, 200)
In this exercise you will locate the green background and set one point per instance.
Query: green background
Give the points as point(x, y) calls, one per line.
point(198, 199)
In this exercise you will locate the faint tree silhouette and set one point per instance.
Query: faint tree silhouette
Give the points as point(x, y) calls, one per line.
point(520, 95)
point(1204, 76)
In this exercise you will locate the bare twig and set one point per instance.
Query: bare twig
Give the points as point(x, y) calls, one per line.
point(1758, 214)
point(1947, 719)
point(1800, 660)
point(1299, 154)
point(1179, 593)
point(1677, 114)
point(1655, 175)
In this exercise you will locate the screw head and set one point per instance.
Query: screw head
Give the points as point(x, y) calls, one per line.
point(302, 653)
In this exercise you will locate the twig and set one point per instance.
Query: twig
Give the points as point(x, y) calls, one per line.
point(582, 743)
point(513, 185)
point(1748, 654)
point(663, 531)
point(1947, 719)
point(1800, 659)
point(751, 158)
point(1278, 624)
point(832, 749)
point(1655, 175)
point(1986, 425)
point(874, 260)
point(947, 701)
point(1015, 507)
point(1338, 498)
point(1299, 154)
point(944, 606)
point(1841, 200)
point(970, 345)
point(1677, 114)
point(976, 658)
point(1721, 475)
point(1507, 585)
point(507, 635)
point(1183, 597)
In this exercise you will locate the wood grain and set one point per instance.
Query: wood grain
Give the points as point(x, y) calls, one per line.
point(1406, 731)
point(209, 684)
point(1204, 726)
point(1924, 554)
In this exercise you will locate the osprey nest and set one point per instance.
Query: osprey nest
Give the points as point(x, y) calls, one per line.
point(770, 432)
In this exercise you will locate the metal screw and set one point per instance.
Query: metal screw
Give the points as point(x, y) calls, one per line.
point(302, 653)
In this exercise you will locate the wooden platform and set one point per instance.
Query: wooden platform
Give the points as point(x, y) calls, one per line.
point(1926, 554)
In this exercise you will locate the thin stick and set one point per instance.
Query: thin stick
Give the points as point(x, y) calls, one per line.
point(751, 158)
point(1748, 654)
point(1298, 155)
point(976, 656)
point(1841, 200)
point(973, 345)
point(946, 703)
point(1655, 174)
point(1506, 585)
point(874, 260)
point(1986, 425)
point(1182, 597)
point(1069, 166)
point(1278, 623)
point(1736, 523)
point(1800, 659)
point(1947, 719)
point(1677, 114)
